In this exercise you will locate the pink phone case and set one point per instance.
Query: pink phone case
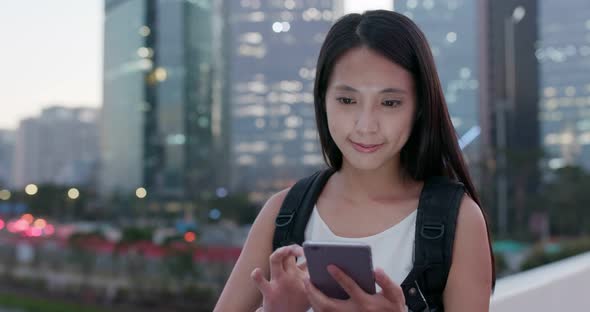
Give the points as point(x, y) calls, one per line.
point(352, 258)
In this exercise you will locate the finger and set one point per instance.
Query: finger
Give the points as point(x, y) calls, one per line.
point(317, 299)
point(260, 281)
point(390, 290)
point(276, 262)
point(302, 266)
point(290, 262)
point(348, 284)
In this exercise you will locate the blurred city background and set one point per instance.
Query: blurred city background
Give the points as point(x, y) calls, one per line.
point(139, 138)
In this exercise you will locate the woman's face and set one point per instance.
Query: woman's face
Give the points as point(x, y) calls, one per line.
point(370, 103)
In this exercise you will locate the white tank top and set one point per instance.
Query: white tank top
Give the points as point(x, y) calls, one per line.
point(392, 249)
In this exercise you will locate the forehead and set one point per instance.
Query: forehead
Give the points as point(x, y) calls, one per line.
point(364, 68)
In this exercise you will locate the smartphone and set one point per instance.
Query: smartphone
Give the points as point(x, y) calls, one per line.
point(353, 258)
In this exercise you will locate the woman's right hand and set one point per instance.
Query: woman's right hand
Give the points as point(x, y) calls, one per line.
point(286, 289)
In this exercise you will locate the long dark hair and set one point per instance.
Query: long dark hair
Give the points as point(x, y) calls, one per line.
point(432, 148)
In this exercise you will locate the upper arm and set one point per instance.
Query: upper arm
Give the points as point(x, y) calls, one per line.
point(470, 278)
point(240, 292)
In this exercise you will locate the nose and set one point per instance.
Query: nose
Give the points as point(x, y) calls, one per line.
point(367, 121)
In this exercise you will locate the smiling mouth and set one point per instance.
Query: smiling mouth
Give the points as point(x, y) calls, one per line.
point(366, 148)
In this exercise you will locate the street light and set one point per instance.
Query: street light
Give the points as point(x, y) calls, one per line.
point(5, 195)
point(73, 193)
point(507, 103)
point(31, 189)
point(141, 192)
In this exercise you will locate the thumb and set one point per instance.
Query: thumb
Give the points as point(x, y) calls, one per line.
point(260, 281)
point(390, 290)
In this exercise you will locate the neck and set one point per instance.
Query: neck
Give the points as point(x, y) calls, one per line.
point(387, 182)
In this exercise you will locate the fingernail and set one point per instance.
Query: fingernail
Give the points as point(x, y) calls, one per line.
point(331, 268)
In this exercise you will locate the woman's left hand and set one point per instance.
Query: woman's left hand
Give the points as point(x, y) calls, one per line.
point(390, 298)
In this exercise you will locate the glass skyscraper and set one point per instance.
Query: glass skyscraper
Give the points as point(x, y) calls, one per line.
point(564, 65)
point(451, 29)
point(273, 49)
point(162, 126)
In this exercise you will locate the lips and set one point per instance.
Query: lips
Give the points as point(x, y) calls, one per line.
point(365, 148)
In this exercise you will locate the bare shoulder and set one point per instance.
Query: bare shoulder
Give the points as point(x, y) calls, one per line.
point(273, 205)
point(471, 219)
point(240, 292)
point(470, 278)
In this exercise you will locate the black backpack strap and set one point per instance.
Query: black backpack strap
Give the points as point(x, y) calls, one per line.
point(435, 233)
point(297, 207)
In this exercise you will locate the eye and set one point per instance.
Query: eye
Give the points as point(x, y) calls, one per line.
point(345, 100)
point(392, 103)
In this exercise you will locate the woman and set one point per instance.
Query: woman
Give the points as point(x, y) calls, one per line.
point(385, 129)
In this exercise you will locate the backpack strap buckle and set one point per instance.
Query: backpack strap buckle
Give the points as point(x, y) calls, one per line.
point(284, 219)
point(432, 230)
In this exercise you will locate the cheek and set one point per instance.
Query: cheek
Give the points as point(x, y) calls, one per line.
point(399, 128)
point(333, 128)
point(336, 120)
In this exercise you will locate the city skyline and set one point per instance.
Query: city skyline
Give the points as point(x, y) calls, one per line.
point(72, 78)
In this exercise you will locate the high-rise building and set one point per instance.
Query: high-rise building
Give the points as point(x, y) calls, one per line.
point(509, 108)
point(59, 147)
point(484, 52)
point(7, 142)
point(451, 27)
point(564, 65)
point(163, 127)
point(273, 50)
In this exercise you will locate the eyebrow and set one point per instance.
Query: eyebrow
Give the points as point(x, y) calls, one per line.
point(387, 90)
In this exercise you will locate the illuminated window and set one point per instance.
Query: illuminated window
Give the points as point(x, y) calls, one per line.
point(465, 73)
point(203, 122)
point(452, 37)
point(552, 139)
point(175, 139)
point(313, 160)
point(252, 51)
point(246, 160)
point(584, 138)
point(277, 27)
point(278, 160)
point(289, 4)
point(255, 147)
point(251, 110)
point(551, 104)
point(308, 147)
point(550, 91)
point(289, 134)
point(310, 134)
point(556, 163)
point(293, 122)
point(255, 17)
point(251, 38)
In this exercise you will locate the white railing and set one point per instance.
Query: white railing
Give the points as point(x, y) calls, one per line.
point(559, 286)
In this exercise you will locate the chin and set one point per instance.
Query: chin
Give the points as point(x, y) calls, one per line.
point(365, 164)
